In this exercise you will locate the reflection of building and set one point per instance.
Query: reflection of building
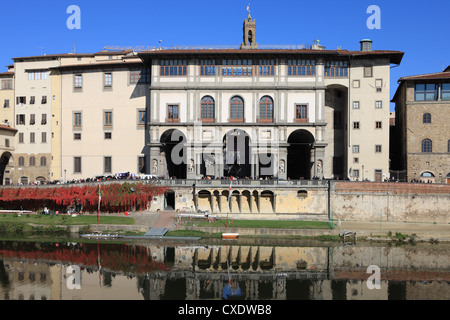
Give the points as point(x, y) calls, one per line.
point(286, 113)
point(422, 105)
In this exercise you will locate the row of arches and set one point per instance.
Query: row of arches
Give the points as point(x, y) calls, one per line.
point(245, 201)
point(237, 156)
point(237, 108)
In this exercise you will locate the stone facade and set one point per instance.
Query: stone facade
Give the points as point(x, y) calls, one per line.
point(419, 120)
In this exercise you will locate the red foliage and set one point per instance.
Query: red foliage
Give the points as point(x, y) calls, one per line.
point(116, 197)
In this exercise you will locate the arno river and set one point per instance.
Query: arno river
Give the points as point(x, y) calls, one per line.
point(261, 270)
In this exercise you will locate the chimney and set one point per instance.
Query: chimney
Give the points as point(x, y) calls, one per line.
point(366, 45)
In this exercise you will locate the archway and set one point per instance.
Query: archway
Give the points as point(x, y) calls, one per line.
point(236, 149)
point(427, 177)
point(299, 162)
point(174, 150)
point(4, 160)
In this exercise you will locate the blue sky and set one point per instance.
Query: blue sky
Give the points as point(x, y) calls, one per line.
point(419, 28)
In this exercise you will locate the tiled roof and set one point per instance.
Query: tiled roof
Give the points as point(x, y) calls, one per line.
point(396, 56)
point(56, 56)
point(116, 63)
point(428, 76)
point(7, 128)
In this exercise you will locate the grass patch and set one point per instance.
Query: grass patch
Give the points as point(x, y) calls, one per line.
point(190, 233)
point(64, 220)
point(262, 224)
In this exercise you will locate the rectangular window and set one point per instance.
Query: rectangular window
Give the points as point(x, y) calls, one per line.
point(32, 139)
point(355, 83)
point(32, 119)
point(7, 143)
point(78, 84)
point(44, 137)
point(32, 100)
point(237, 67)
point(77, 119)
point(107, 80)
point(140, 75)
point(44, 118)
point(336, 69)
point(37, 75)
point(425, 92)
point(378, 124)
point(266, 67)
point(355, 148)
point(301, 67)
point(107, 119)
point(355, 160)
point(21, 100)
point(107, 164)
point(378, 148)
point(368, 72)
point(20, 137)
point(7, 84)
point(6, 103)
point(207, 67)
point(142, 117)
point(20, 119)
point(378, 104)
point(108, 135)
point(445, 92)
point(76, 164)
point(355, 104)
point(44, 100)
point(355, 173)
point(77, 136)
point(173, 67)
point(301, 113)
point(356, 125)
point(172, 113)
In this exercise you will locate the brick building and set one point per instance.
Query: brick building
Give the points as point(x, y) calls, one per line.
point(422, 110)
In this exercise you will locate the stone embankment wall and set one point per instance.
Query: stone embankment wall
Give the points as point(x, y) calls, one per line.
point(393, 202)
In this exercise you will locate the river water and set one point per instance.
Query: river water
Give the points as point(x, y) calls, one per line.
point(260, 270)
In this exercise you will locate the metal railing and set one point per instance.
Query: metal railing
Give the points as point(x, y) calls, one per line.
point(240, 182)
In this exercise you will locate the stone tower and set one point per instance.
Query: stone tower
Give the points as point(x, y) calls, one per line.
point(249, 33)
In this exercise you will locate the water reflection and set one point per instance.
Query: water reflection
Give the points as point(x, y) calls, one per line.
point(38, 270)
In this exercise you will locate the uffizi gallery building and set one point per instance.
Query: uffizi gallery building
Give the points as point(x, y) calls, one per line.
point(250, 112)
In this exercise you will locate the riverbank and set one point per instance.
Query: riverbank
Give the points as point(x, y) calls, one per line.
point(141, 222)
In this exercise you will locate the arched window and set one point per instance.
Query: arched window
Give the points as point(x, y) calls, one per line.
point(427, 145)
point(208, 106)
point(266, 109)
point(236, 109)
point(43, 161)
point(426, 118)
point(21, 161)
point(32, 161)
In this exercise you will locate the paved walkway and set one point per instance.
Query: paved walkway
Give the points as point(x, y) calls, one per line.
point(422, 230)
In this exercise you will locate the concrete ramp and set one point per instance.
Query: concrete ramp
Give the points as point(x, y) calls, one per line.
point(156, 232)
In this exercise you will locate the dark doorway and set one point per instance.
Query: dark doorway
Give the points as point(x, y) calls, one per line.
point(169, 200)
point(4, 160)
point(237, 154)
point(173, 145)
point(299, 162)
